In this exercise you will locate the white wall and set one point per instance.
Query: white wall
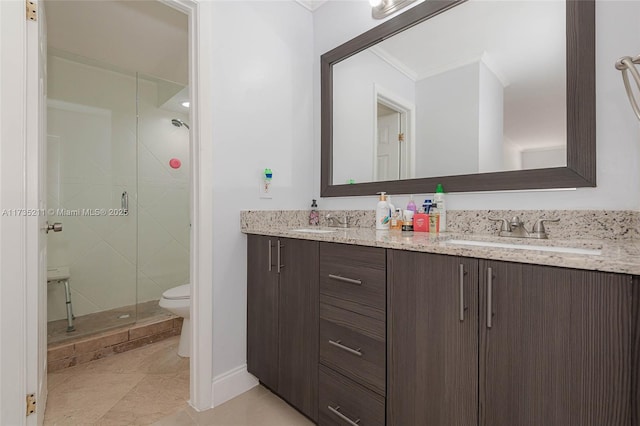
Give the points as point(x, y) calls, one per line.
point(490, 121)
point(354, 109)
point(618, 132)
point(262, 66)
point(512, 155)
point(93, 158)
point(447, 113)
point(544, 157)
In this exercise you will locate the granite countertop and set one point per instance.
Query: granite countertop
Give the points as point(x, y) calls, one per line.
point(616, 256)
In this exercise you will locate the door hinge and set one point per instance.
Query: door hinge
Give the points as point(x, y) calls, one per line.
point(32, 10)
point(31, 404)
point(400, 137)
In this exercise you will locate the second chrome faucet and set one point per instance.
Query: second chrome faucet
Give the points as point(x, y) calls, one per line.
point(335, 222)
point(516, 228)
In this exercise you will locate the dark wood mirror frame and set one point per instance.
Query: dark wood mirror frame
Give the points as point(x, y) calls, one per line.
point(581, 113)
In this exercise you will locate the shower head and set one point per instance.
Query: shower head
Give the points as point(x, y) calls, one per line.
point(179, 123)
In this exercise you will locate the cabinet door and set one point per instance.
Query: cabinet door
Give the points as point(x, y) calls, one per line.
point(262, 310)
point(432, 363)
point(299, 329)
point(557, 347)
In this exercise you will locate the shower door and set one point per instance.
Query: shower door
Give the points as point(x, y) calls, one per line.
point(92, 190)
point(163, 191)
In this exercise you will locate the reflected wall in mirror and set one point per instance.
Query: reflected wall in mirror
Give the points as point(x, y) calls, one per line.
point(488, 92)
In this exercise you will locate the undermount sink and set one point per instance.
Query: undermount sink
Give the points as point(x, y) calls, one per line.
point(314, 231)
point(554, 249)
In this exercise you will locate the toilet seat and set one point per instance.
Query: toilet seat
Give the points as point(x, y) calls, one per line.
point(178, 293)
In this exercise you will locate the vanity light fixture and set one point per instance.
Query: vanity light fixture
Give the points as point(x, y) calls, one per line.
point(383, 8)
point(185, 104)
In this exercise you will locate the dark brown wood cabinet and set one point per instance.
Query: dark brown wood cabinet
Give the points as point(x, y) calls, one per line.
point(555, 346)
point(538, 345)
point(263, 289)
point(282, 318)
point(353, 357)
point(358, 334)
point(432, 339)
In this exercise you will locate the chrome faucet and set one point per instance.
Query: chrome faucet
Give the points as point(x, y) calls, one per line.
point(337, 223)
point(516, 228)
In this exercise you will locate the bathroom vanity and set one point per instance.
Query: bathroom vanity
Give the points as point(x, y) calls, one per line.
point(358, 327)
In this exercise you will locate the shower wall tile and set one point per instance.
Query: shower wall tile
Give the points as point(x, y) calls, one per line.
point(93, 156)
point(169, 266)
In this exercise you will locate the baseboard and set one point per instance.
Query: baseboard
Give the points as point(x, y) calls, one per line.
point(231, 384)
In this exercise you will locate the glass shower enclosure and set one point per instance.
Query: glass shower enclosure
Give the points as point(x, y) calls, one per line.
point(123, 207)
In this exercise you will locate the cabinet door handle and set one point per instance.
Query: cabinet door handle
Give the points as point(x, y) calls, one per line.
point(270, 261)
point(280, 266)
point(461, 271)
point(345, 279)
point(338, 344)
point(489, 296)
point(337, 412)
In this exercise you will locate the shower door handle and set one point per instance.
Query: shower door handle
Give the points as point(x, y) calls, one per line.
point(124, 203)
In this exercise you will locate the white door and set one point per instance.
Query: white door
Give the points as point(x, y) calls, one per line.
point(36, 259)
point(388, 147)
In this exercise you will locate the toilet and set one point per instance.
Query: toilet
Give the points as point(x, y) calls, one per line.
point(177, 300)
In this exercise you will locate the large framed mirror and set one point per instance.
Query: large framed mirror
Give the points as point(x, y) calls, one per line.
point(478, 95)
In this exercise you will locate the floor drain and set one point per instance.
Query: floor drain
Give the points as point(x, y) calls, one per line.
point(124, 316)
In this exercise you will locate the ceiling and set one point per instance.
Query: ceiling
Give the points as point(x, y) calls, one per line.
point(142, 36)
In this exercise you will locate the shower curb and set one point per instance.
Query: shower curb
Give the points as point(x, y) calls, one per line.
point(98, 346)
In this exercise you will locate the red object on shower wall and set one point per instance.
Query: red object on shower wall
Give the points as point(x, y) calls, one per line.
point(175, 163)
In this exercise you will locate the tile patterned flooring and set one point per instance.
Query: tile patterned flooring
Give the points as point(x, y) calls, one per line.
point(150, 385)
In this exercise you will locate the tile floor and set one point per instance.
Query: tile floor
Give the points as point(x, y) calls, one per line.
point(150, 385)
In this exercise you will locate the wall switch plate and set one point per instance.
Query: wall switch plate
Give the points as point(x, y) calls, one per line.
point(265, 189)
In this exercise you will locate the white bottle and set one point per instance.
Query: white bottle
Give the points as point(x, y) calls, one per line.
point(392, 208)
point(382, 213)
point(438, 199)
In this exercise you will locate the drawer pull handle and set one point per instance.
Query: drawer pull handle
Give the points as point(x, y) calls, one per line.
point(338, 344)
point(337, 412)
point(345, 280)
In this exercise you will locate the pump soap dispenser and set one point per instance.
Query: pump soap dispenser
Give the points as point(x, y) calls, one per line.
point(314, 216)
point(383, 215)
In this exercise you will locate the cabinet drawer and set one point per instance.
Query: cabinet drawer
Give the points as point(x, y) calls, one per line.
point(343, 402)
point(354, 274)
point(354, 345)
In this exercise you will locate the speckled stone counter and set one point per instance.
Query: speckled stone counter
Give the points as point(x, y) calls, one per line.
point(620, 256)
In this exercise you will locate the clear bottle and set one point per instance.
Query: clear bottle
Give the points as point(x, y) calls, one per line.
point(396, 221)
point(439, 201)
point(411, 205)
point(314, 216)
point(434, 220)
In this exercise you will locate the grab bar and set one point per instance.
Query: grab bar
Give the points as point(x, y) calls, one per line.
point(628, 64)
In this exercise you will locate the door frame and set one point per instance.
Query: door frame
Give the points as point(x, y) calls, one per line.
point(407, 112)
point(200, 199)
